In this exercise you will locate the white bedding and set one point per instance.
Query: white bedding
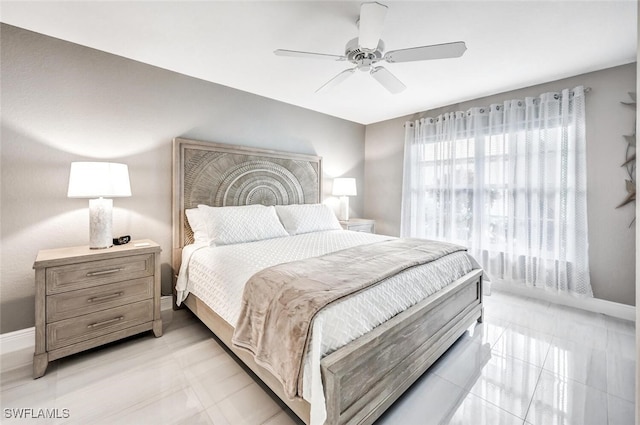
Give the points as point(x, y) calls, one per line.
point(217, 276)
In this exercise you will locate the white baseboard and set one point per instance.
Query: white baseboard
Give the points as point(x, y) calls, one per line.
point(16, 348)
point(596, 305)
point(17, 340)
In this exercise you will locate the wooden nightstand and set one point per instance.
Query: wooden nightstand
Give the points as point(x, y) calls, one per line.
point(87, 297)
point(359, 225)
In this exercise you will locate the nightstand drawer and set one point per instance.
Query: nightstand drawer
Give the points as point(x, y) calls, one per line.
point(95, 273)
point(359, 225)
point(368, 228)
point(85, 301)
point(78, 329)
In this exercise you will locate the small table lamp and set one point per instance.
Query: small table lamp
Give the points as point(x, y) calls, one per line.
point(344, 187)
point(99, 180)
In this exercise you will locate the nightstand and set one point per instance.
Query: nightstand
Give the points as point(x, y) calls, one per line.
point(359, 225)
point(89, 297)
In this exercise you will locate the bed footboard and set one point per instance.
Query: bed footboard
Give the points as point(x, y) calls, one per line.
point(365, 377)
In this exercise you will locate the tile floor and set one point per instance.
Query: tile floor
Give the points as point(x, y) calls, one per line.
point(531, 363)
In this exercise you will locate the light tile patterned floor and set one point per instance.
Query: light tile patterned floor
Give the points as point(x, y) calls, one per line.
point(531, 362)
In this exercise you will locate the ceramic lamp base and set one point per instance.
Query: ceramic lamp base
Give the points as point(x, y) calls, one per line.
point(344, 208)
point(100, 221)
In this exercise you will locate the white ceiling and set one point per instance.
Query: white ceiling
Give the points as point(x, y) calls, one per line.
point(510, 44)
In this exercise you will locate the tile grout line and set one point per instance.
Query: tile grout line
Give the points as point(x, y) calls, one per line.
point(533, 395)
point(606, 376)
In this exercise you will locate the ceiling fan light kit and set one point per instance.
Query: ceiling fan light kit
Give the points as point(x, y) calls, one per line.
point(368, 49)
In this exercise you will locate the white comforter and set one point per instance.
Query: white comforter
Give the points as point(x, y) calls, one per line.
point(217, 275)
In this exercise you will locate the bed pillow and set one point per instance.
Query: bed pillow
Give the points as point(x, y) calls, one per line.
point(307, 218)
point(198, 225)
point(249, 223)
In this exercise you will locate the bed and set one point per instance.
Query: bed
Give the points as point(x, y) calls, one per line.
point(357, 381)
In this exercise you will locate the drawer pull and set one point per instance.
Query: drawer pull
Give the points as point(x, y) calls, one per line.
point(105, 297)
point(106, 322)
point(101, 272)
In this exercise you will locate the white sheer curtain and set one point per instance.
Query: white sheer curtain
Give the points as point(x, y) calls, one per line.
point(509, 182)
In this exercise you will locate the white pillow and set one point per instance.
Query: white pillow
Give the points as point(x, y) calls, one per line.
point(231, 225)
point(307, 218)
point(198, 225)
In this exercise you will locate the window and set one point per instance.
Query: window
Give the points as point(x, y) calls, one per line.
point(508, 182)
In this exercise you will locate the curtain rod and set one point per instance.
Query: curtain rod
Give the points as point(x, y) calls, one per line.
point(586, 90)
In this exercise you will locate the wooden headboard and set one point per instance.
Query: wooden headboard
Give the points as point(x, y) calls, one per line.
point(226, 175)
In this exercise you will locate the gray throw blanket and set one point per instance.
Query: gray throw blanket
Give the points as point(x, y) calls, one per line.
point(280, 302)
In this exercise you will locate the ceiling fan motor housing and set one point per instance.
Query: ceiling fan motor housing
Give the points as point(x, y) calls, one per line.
point(362, 58)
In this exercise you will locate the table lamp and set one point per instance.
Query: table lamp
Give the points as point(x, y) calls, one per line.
point(344, 187)
point(99, 180)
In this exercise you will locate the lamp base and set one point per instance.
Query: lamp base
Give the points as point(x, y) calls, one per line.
point(100, 221)
point(344, 208)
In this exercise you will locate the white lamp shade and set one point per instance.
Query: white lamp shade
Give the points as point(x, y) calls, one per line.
point(98, 179)
point(344, 186)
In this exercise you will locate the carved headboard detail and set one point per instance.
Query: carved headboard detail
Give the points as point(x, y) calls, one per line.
point(227, 175)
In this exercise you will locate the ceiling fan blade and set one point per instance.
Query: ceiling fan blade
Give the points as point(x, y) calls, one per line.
point(295, 53)
point(434, 51)
point(336, 80)
point(372, 16)
point(387, 79)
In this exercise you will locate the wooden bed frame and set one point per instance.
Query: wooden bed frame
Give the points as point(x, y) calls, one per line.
point(363, 378)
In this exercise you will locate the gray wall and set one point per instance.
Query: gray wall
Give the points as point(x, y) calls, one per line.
point(62, 102)
point(611, 241)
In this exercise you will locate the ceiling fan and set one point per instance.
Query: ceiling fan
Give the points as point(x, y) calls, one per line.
point(368, 49)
